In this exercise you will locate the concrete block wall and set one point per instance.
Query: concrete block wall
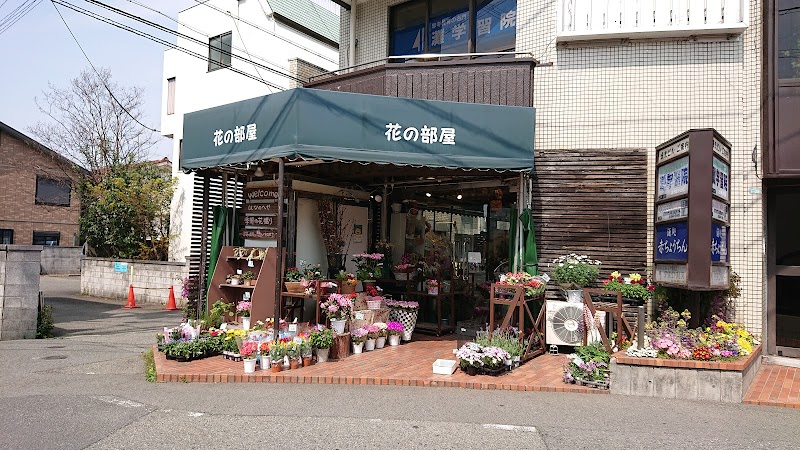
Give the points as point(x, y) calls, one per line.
point(61, 260)
point(151, 279)
point(19, 291)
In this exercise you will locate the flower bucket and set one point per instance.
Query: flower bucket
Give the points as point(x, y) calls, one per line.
point(369, 345)
point(338, 326)
point(380, 342)
point(249, 365)
point(408, 317)
point(295, 287)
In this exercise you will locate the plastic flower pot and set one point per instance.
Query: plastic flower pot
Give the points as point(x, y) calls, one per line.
point(322, 354)
point(338, 326)
point(358, 348)
point(306, 361)
point(246, 323)
point(394, 340)
point(380, 342)
point(369, 345)
point(249, 365)
point(294, 364)
point(265, 362)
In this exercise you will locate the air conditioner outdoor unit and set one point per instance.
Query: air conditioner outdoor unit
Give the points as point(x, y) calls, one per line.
point(564, 324)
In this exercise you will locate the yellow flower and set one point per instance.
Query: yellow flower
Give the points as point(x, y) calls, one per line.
point(616, 274)
point(635, 277)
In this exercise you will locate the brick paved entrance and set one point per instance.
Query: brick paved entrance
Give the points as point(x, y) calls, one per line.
point(775, 386)
point(407, 365)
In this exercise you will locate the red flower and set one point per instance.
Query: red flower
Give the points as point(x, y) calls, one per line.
point(651, 288)
point(605, 282)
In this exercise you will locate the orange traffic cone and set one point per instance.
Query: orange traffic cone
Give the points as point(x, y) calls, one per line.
point(171, 306)
point(131, 299)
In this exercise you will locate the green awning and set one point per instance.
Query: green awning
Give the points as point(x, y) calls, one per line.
point(324, 125)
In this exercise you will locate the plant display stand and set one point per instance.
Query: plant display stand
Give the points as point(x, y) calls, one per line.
point(518, 306)
point(340, 348)
point(262, 294)
point(615, 309)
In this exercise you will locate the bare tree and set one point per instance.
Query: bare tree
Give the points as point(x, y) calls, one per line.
point(91, 126)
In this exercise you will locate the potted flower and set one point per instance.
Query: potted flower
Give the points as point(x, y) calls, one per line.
point(369, 266)
point(277, 350)
point(407, 266)
point(293, 353)
point(432, 286)
point(470, 358)
point(249, 350)
point(234, 279)
point(249, 278)
point(634, 288)
point(347, 282)
point(263, 352)
point(405, 313)
point(394, 329)
point(372, 336)
point(321, 338)
point(338, 307)
point(305, 351)
point(382, 333)
point(293, 280)
point(533, 286)
point(574, 272)
point(374, 297)
point(359, 335)
point(243, 309)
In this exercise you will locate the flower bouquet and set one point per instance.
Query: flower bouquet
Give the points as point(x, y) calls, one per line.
point(369, 266)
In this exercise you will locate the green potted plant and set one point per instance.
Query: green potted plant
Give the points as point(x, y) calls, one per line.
point(293, 352)
point(574, 272)
point(249, 278)
point(321, 338)
point(277, 351)
point(634, 288)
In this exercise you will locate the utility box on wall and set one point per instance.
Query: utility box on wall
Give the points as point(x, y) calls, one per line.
point(692, 211)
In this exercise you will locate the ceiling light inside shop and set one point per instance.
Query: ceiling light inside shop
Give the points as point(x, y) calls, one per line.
point(427, 194)
point(459, 196)
point(259, 172)
point(378, 198)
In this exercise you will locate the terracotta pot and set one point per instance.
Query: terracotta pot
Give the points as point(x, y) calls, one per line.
point(276, 367)
point(248, 282)
point(306, 361)
point(294, 364)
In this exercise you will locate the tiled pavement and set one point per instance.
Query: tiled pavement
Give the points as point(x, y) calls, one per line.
point(775, 386)
point(408, 365)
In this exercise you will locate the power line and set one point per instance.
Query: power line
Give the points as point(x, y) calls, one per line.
point(245, 49)
point(197, 30)
point(18, 13)
point(152, 38)
point(205, 3)
point(3, 4)
point(98, 73)
point(190, 38)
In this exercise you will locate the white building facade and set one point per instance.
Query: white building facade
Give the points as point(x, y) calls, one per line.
point(247, 49)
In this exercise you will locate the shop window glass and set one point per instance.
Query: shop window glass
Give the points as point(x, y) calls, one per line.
point(219, 52)
point(50, 191)
point(6, 236)
point(448, 30)
point(495, 25)
point(46, 237)
point(788, 31)
point(407, 28)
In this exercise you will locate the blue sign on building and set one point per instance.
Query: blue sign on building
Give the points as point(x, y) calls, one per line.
point(409, 40)
point(496, 25)
point(719, 243)
point(672, 241)
point(450, 33)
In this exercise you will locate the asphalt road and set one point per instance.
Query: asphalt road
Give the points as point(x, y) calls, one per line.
point(86, 389)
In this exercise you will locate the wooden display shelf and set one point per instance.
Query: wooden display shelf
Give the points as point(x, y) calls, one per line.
point(262, 293)
point(241, 286)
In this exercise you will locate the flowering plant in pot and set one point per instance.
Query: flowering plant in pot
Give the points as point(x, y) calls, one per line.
point(573, 272)
point(533, 285)
point(588, 365)
point(305, 351)
point(347, 281)
point(249, 278)
point(358, 336)
point(249, 350)
point(277, 350)
point(432, 286)
point(383, 332)
point(405, 313)
point(243, 309)
point(321, 338)
point(394, 329)
point(338, 308)
point(374, 297)
point(408, 264)
point(369, 266)
point(632, 287)
point(263, 351)
point(293, 353)
point(372, 336)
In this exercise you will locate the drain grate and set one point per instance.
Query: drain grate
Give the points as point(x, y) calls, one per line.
point(56, 346)
point(55, 357)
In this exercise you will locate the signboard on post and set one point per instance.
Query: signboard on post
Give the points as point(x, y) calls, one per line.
point(261, 208)
point(260, 193)
point(259, 233)
point(691, 237)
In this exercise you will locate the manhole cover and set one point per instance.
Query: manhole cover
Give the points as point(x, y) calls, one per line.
point(56, 346)
point(55, 357)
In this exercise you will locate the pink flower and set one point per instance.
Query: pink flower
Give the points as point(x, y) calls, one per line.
point(673, 350)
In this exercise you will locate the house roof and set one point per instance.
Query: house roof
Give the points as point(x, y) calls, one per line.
point(6, 129)
point(308, 17)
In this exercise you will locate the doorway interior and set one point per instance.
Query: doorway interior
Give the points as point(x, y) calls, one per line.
point(784, 270)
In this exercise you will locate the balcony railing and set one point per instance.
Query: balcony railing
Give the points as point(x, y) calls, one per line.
point(637, 19)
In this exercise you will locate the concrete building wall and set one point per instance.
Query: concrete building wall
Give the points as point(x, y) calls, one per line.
point(61, 260)
point(151, 279)
point(20, 163)
point(639, 94)
point(270, 44)
point(19, 291)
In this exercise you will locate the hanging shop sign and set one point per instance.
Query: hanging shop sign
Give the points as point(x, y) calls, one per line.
point(259, 233)
point(691, 247)
point(674, 210)
point(261, 208)
point(260, 193)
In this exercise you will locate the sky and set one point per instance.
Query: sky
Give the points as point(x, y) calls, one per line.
point(38, 50)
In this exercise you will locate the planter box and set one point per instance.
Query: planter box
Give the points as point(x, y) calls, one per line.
point(694, 380)
point(444, 366)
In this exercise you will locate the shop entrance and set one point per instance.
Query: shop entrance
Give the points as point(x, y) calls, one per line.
point(784, 270)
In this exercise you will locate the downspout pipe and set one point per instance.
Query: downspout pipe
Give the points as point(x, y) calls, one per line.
point(352, 51)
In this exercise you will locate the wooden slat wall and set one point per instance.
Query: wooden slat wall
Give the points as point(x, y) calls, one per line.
point(592, 202)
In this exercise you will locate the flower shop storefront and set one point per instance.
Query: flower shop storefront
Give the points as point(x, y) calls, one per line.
point(413, 203)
